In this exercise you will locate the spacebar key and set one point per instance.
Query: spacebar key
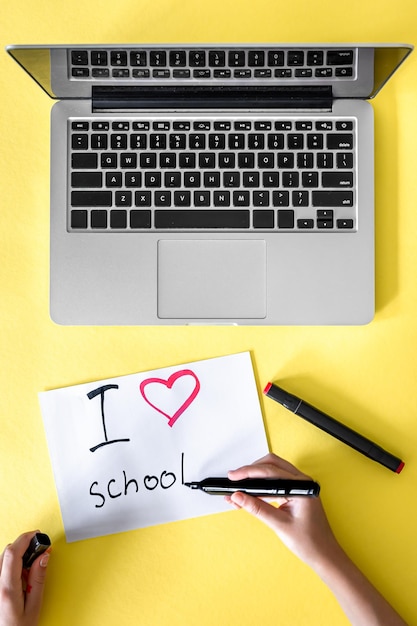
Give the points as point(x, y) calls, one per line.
point(202, 219)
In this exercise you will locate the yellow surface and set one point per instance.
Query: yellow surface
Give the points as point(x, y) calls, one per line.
point(228, 568)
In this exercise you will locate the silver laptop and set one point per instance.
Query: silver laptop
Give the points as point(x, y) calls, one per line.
point(212, 184)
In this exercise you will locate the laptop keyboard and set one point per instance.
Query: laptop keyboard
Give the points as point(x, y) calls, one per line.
point(238, 173)
point(212, 63)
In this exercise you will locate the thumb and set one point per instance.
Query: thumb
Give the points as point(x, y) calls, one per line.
point(35, 585)
point(265, 512)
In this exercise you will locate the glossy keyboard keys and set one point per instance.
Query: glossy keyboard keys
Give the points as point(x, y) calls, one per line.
point(210, 173)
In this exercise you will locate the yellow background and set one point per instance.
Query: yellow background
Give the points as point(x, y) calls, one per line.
point(228, 568)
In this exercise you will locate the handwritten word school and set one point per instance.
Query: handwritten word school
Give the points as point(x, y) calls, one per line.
point(119, 488)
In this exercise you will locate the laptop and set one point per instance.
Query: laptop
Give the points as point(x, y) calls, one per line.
point(212, 184)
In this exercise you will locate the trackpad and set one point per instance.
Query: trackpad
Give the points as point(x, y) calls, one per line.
point(209, 279)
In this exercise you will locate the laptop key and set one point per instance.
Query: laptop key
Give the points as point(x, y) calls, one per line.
point(295, 57)
point(119, 142)
point(237, 58)
point(98, 219)
point(263, 219)
point(86, 179)
point(79, 142)
point(300, 198)
point(181, 73)
point(345, 125)
point(305, 223)
point(202, 73)
point(79, 219)
point(91, 198)
point(344, 223)
point(132, 179)
point(143, 198)
point(285, 73)
point(332, 198)
point(118, 219)
point(241, 198)
point(344, 160)
point(84, 160)
point(177, 58)
point(256, 58)
point(325, 160)
point(182, 198)
point(285, 218)
point(337, 179)
point(202, 198)
point(221, 198)
point(158, 58)
point(79, 57)
point(342, 141)
point(260, 198)
point(113, 179)
point(281, 198)
point(325, 224)
point(78, 125)
point(108, 160)
point(123, 198)
point(99, 141)
point(217, 58)
point(325, 214)
point(222, 74)
point(197, 58)
point(202, 219)
point(162, 198)
point(140, 219)
point(315, 57)
point(118, 57)
point(138, 58)
point(275, 58)
point(340, 57)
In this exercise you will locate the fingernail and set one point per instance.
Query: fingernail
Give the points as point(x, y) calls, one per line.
point(44, 560)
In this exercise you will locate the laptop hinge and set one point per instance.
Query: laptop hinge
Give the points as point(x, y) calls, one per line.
point(212, 97)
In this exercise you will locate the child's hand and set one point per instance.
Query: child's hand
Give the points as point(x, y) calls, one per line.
point(21, 591)
point(300, 522)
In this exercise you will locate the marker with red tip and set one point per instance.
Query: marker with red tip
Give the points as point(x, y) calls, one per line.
point(333, 427)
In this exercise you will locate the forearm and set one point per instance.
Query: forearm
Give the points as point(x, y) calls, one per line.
point(302, 526)
point(358, 598)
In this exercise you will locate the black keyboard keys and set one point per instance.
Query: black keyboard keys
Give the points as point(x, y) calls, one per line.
point(212, 173)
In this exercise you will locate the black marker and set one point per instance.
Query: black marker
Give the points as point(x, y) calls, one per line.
point(38, 544)
point(334, 428)
point(259, 487)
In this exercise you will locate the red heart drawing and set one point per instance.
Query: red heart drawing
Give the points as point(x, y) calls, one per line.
point(169, 384)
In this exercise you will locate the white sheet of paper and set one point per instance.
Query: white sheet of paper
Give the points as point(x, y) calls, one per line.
point(121, 448)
